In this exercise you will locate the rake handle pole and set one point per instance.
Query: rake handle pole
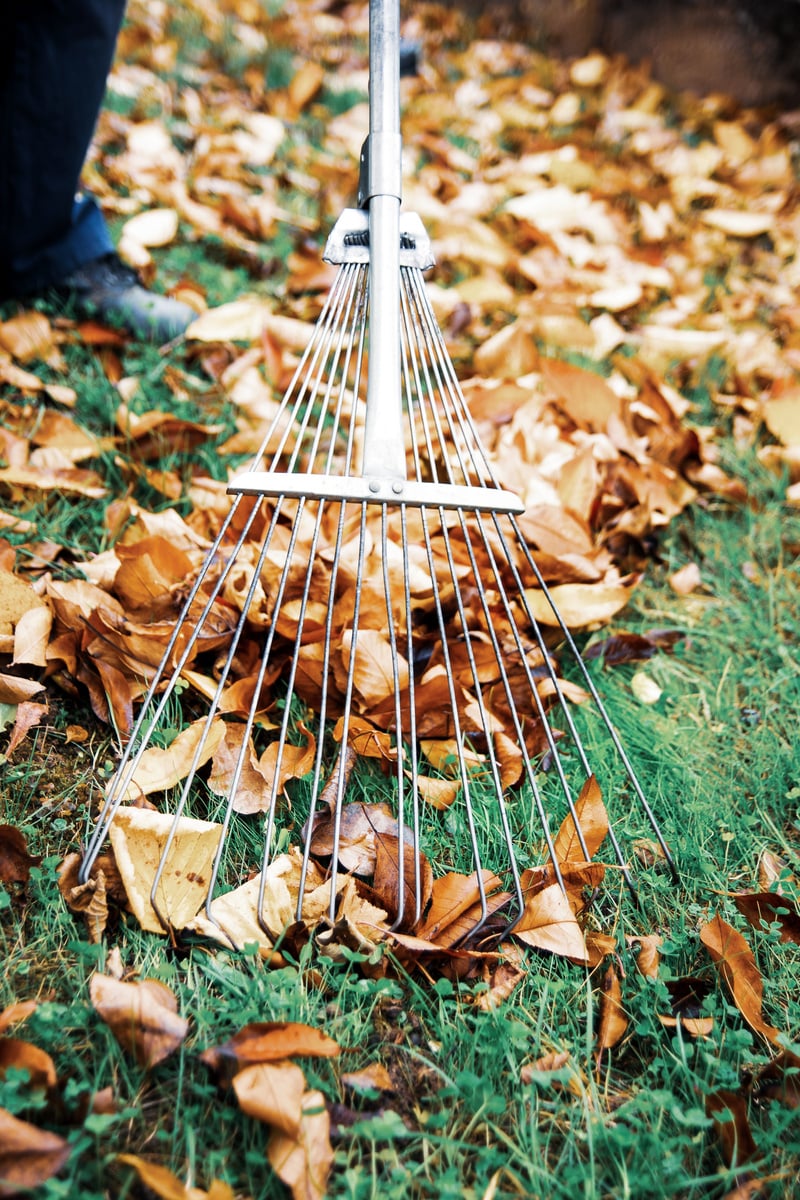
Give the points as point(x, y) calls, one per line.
point(380, 190)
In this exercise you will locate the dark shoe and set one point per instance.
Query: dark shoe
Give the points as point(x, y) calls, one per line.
point(110, 291)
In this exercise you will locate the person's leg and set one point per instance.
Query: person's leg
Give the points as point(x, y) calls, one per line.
point(54, 59)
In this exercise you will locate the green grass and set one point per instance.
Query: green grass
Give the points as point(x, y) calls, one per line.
point(718, 756)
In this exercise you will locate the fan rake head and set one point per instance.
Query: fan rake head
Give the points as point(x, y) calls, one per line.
point(376, 638)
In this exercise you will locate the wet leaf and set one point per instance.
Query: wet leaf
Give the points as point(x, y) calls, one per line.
point(142, 1016)
point(729, 1112)
point(769, 907)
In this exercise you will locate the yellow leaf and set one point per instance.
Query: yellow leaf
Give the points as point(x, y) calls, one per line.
point(159, 769)
point(139, 837)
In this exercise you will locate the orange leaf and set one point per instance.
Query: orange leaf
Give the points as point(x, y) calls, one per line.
point(271, 1041)
point(592, 820)
point(548, 923)
point(613, 1022)
point(737, 966)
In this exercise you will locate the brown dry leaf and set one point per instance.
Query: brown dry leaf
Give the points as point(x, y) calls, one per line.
point(232, 918)
point(167, 1186)
point(503, 978)
point(272, 1092)
point(304, 1162)
point(15, 861)
point(454, 897)
point(28, 336)
point(91, 898)
point(735, 962)
point(270, 1042)
point(768, 907)
point(774, 874)
point(139, 837)
point(360, 826)
point(396, 859)
point(592, 819)
point(14, 1013)
point(142, 1016)
point(553, 1064)
point(548, 923)
point(734, 1133)
point(28, 1155)
point(24, 1056)
point(579, 604)
point(649, 956)
point(158, 770)
point(584, 395)
point(14, 689)
point(782, 416)
point(613, 1022)
point(28, 716)
point(373, 1077)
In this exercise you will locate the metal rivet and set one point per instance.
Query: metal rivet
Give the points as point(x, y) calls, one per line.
point(374, 485)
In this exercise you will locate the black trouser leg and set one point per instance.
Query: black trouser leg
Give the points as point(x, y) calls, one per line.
point(54, 59)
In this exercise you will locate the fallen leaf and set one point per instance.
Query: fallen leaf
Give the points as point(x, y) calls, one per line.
point(143, 1016)
point(769, 907)
point(272, 1092)
point(372, 1078)
point(645, 688)
point(167, 1186)
point(502, 981)
point(29, 1156)
point(592, 821)
point(686, 580)
point(578, 604)
point(649, 956)
point(15, 861)
point(548, 923)
point(139, 838)
point(613, 1022)
point(19, 1055)
point(270, 1042)
point(20, 1010)
point(733, 1130)
point(304, 1162)
point(158, 770)
point(737, 966)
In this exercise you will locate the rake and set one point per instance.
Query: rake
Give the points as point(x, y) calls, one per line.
point(381, 587)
